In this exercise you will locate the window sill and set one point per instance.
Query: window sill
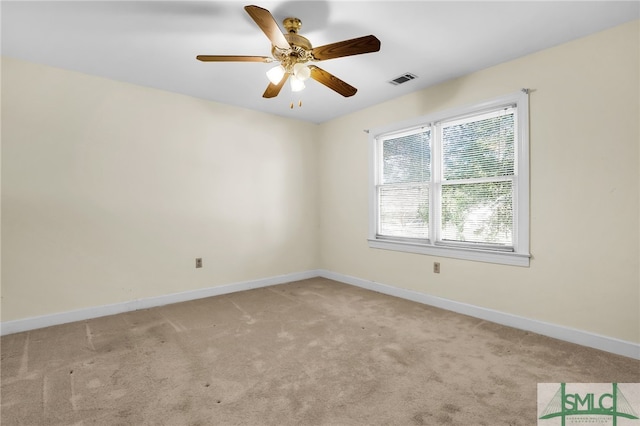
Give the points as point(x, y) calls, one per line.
point(504, 258)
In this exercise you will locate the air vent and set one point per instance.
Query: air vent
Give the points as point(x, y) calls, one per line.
point(403, 78)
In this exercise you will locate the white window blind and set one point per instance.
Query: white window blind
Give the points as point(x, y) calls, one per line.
point(478, 159)
point(404, 193)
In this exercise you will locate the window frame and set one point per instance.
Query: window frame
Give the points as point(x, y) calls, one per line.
point(519, 256)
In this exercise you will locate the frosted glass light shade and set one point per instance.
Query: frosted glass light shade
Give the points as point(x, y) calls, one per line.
point(275, 74)
point(301, 71)
point(296, 84)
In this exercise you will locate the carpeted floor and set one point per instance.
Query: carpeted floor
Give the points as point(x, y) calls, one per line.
point(314, 352)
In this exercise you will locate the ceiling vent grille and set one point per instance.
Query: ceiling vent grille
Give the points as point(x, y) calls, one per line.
point(403, 78)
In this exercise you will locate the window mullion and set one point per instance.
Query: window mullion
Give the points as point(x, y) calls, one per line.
point(436, 183)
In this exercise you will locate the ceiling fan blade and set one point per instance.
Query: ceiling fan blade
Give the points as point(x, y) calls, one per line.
point(332, 82)
point(233, 58)
point(273, 89)
point(355, 46)
point(268, 25)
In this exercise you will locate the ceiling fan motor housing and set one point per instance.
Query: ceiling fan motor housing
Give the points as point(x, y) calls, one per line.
point(300, 47)
point(298, 40)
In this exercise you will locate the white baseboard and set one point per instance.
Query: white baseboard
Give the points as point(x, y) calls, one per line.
point(16, 326)
point(583, 338)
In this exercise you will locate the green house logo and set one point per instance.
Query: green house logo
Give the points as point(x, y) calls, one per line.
point(588, 404)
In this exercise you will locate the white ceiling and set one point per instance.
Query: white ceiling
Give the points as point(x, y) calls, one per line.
point(154, 43)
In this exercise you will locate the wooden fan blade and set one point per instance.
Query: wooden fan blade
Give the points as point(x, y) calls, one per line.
point(355, 46)
point(233, 58)
point(332, 82)
point(273, 89)
point(268, 25)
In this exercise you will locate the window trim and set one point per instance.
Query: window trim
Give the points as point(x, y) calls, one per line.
point(520, 255)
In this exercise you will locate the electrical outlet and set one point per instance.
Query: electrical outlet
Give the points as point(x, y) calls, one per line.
point(198, 262)
point(436, 267)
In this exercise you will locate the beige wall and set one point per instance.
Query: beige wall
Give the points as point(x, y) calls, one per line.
point(110, 191)
point(584, 190)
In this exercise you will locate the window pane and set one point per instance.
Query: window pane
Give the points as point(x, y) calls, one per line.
point(478, 213)
point(407, 158)
point(478, 148)
point(404, 211)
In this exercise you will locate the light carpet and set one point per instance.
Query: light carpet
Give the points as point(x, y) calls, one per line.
point(312, 352)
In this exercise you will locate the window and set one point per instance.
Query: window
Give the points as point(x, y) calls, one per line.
point(454, 183)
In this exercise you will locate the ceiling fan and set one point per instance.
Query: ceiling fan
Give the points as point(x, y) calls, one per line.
point(293, 51)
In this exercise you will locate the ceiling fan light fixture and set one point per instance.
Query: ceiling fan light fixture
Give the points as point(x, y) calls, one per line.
point(297, 85)
point(275, 74)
